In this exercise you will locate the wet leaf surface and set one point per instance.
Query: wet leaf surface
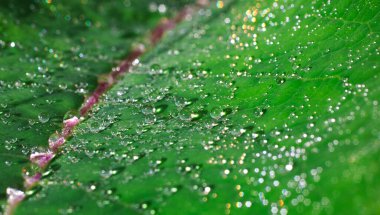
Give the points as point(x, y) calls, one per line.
point(264, 107)
point(51, 56)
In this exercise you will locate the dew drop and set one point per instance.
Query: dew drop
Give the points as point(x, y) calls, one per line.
point(43, 117)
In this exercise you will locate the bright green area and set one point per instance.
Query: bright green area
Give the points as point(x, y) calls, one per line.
point(253, 108)
point(50, 57)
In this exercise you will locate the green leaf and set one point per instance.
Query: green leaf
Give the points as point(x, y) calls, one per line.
point(51, 55)
point(248, 108)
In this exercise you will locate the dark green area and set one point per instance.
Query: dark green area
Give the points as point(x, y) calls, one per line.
point(51, 53)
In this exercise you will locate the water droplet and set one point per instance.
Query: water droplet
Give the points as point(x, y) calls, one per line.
point(43, 117)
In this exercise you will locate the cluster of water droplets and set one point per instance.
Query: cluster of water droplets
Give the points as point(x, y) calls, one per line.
point(50, 60)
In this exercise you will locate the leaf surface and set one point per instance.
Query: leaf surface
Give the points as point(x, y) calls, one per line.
point(251, 107)
point(51, 56)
